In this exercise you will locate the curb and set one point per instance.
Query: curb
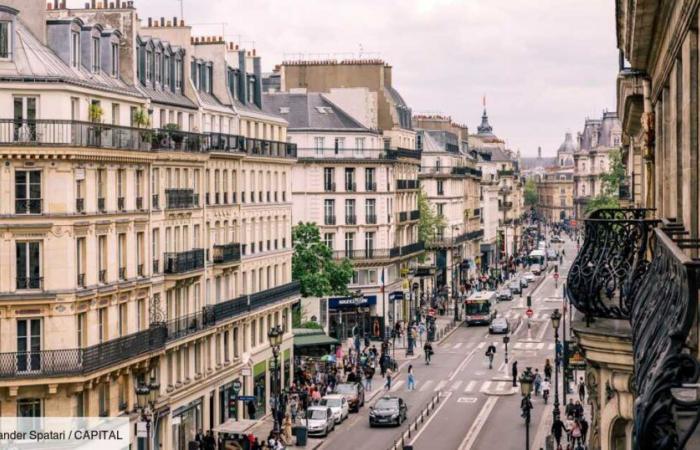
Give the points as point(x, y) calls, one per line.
point(512, 391)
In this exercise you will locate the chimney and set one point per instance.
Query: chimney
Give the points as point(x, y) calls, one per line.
point(539, 152)
point(55, 4)
point(92, 3)
point(119, 4)
point(150, 22)
point(162, 21)
point(174, 21)
point(49, 6)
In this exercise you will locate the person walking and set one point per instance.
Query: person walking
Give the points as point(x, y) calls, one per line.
point(515, 373)
point(547, 369)
point(537, 382)
point(428, 351)
point(546, 387)
point(490, 352)
point(584, 430)
point(581, 390)
point(389, 374)
point(411, 378)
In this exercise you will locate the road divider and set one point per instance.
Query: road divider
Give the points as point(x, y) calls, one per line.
point(478, 424)
point(426, 415)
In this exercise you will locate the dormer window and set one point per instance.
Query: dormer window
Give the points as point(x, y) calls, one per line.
point(75, 49)
point(115, 60)
point(149, 66)
point(251, 90)
point(95, 55)
point(158, 65)
point(166, 71)
point(178, 74)
point(210, 80)
point(5, 40)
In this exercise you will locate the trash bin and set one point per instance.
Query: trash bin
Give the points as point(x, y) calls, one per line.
point(301, 434)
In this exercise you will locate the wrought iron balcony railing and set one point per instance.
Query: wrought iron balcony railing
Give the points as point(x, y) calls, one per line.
point(414, 215)
point(180, 262)
point(227, 253)
point(601, 281)
point(181, 198)
point(412, 248)
point(407, 184)
point(663, 318)
point(368, 253)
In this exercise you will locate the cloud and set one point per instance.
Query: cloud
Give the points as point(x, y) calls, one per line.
point(544, 65)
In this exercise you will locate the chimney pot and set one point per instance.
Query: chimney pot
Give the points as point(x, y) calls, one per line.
point(168, 23)
point(55, 4)
point(182, 22)
point(162, 21)
point(253, 52)
point(92, 2)
point(111, 5)
point(87, 5)
point(119, 4)
point(49, 6)
point(150, 22)
point(63, 4)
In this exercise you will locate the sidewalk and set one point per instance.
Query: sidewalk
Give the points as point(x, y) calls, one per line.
point(445, 327)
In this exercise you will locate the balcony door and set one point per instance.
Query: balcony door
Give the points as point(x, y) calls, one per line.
point(28, 265)
point(25, 119)
point(28, 345)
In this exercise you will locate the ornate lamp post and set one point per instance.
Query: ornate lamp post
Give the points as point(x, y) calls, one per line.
point(275, 338)
point(526, 380)
point(556, 318)
point(146, 396)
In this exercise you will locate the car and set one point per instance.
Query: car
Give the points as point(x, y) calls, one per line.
point(529, 276)
point(536, 269)
point(499, 325)
point(389, 410)
point(523, 282)
point(504, 294)
point(319, 420)
point(556, 239)
point(338, 405)
point(515, 286)
point(354, 394)
point(552, 255)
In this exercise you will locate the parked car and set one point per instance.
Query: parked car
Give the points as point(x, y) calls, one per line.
point(523, 282)
point(515, 286)
point(389, 410)
point(529, 276)
point(319, 420)
point(552, 255)
point(499, 325)
point(505, 294)
point(338, 405)
point(536, 269)
point(354, 393)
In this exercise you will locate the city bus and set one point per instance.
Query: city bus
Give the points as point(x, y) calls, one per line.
point(478, 307)
point(538, 257)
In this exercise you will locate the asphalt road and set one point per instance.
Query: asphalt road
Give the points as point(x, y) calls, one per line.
point(479, 407)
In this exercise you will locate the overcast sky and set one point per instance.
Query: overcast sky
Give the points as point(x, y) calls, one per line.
point(544, 65)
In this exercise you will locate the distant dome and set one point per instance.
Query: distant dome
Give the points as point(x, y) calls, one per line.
point(568, 145)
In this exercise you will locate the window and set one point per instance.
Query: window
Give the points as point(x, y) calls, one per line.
point(74, 49)
point(115, 60)
point(440, 209)
point(440, 187)
point(359, 143)
point(28, 344)
point(350, 179)
point(81, 330)
point(28, 192)
point(95, 55)
point(349, 243)
point(30, 408)
point(178, 74)
point(369, 244)
point(329, 179)
point(371, 210)
point(149, 66)
point(121, 320)
point(328, 239)
point(329, 211)
point(350, 217)
point(166, 71)
point(102, 325)
point(158, 65)
point(251, 90)
point(5, 40)
point(28, 265)
point(318, 144)
point(370, 180)
point(103, 394)
point(102, 258)
point(339, 144)
point(80, 260)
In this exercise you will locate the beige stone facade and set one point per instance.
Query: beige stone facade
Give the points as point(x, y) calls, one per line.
point(555, 192)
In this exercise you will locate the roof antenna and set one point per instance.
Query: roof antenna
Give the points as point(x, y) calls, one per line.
point(182, 9)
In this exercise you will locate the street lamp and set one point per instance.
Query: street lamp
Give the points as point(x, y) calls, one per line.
point(146, 396)
point(275, 338)
point(556, 319)
point(526, 380)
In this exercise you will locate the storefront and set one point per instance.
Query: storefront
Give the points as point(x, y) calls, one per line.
point(228, 405)
point(396, 305)
point(488, 256)
point(287, 357)
point(260, 388)
point(186, 421)
point(346, 313)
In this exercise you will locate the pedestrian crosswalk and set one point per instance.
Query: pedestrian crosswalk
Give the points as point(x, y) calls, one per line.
point(501, 346)
point(512, 315)
point(463, 386)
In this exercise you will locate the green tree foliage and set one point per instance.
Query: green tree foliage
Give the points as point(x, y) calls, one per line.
point(611, 180)
point(531, 197)
point(313, 264)
point(430, 222)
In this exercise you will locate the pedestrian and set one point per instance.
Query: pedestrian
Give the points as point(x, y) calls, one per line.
point(411, 378)
point(546, 387)
point(294, 408)
point(490, 352)
point(515, 373)
point(428, 351)
point(537, 382)
point(581, 390)
point(369, 372)
point(576, 432)
point(389, 374)
point(584, 430)
point(547, 369)
point(578, 410)
point(569, 427)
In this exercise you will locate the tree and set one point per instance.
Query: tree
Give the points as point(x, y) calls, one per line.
point(608, 198)
point(313, 264)
point(430, 222)
point(531, 197)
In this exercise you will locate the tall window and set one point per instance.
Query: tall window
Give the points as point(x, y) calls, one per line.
point(28, 264)
point(371, 210)
point(115, 60)
point(178, 73)
point(350, 179)
point(102, 333)
point(319, 142)
point(24, 114)
point(74, 49)
point(95, 55)
point(339, 144)
point(149, 66)
point(81, 330)
point(166, 70)
point(28, 192)
point(30, 408)
point(329, 179)
point(329, 210)
point(359, 143)
point(440, 187)
point(80, 260)
point(370, 179)
point(369, 244)
point(349, 243)
point(328, 239)
point(158, 64)
point(350, 217)
point(5, 40)
point(28, 344)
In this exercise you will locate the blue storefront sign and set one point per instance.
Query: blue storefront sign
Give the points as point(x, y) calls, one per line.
point(396, 296)
point(351, 302)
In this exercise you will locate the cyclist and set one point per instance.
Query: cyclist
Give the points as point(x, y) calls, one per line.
point(428, 350)
point(546, 385)
point(490, 352)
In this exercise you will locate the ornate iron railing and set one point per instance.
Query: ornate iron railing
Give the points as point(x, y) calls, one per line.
point(611, 261)
point(180, 262)
point(663, 317)
point(227, 253)
point(367, 253)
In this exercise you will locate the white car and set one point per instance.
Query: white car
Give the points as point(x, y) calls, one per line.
point(319, 420)
point(338, 405)
point(529, 276)
point(536, 269)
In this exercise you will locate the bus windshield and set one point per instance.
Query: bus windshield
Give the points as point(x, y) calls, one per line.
point(537, 257)
point(478, 307)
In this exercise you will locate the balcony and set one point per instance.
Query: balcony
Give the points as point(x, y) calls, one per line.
point(181, 198)
point(351, 219)
point(613, 258)
point(32, 282)
point(329, 220)
point(351, 186)
point(370, 187)
point(371, 219)
point(329, 187)
point(407, 185)
point(181, 262)
point(410, 249)
point(272, 149)
point(179, 141)
point(80, 205)
point(220, 142)
point(28, 206)
point(403, 153)
point(452, 241)
point(183, 326)
point(368, 254)
point(227, 253)
point(81, 361)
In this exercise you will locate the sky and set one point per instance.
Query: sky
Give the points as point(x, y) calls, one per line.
point(543, 65)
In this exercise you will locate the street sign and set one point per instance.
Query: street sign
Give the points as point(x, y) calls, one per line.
point(529, 312)
point(246, 371)
point(246, 398)
point(141, 429)
point(556, 276)
point(431, 312)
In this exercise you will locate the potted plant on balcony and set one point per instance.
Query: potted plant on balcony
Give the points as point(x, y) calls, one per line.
point(95, 114)
point(141, 120)
point(173, 132)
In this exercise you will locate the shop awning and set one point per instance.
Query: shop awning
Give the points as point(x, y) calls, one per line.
point(233, 426)
point(309, 340)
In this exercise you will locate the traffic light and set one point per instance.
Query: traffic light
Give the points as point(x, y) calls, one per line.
point(232, 403)
point(529, 301)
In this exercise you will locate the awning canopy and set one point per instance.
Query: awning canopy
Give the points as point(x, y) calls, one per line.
point(309, 340)
point(233, 426)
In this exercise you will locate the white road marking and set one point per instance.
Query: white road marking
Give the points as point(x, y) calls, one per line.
point(500, 385)
point(485, 387)
point(440, 385)
point(550, 347)
point(462, 365)
point(518, 345)
point(456, 385)
point(470, 386)
point(457, 345)
point(395, 385)
point(423, 386)
point(481, 345)
point(478, 423)
point(443, 401)
point(466, 400)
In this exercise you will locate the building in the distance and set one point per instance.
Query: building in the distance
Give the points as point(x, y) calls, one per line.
point(555, 184)
point(591, 159)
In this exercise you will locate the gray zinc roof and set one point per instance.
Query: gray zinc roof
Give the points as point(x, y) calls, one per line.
point(309, 111)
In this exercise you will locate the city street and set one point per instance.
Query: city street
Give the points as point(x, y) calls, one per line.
point(480, 408)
